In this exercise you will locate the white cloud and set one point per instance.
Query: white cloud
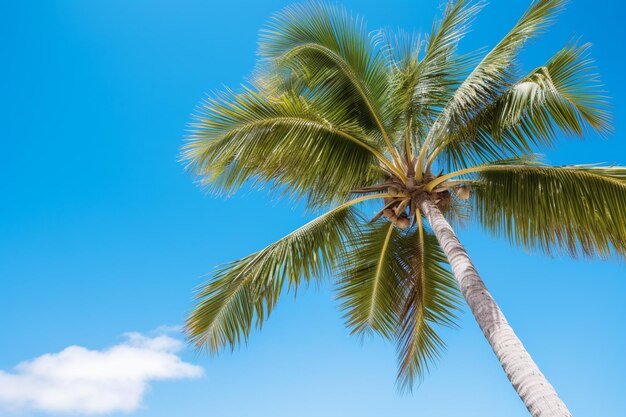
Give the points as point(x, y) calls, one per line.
point(80, 380)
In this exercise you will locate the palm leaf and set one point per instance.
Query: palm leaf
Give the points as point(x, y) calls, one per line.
point(573, 209)
point(323, 48)
point(564, 93)
point(303, 146)
point(431, 299)
point(396, 283)
point(491, 77)
point(440, 70)
point(420, 86)
point(369, 286)
point(245, 291)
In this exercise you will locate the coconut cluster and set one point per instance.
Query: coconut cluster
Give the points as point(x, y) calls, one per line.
point(401, 205)
point(396, 208)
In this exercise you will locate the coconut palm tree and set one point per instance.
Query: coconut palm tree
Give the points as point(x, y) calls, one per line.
point(343, 118)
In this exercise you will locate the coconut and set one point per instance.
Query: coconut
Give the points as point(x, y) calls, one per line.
point(403, 222)
point(442, 200)
point(389, 213)
point(393, 191)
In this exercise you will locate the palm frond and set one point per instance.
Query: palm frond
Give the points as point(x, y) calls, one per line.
point(573, 92)
point(492, 76)
point(303, 146)
point(402, 51)
point(446, 34)
point(431, 299)
point(323, 48)
point(575, 209)
point(420, 86)
point(369, 286)
point(244, 292)
point(564, 93)
point(440, 70)
point(397, 283)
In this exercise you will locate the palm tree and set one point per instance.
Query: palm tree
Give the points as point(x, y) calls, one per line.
point(342, 118)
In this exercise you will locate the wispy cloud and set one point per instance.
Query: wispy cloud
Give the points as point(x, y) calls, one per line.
point(85, 381)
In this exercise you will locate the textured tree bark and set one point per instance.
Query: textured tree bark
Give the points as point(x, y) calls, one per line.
point(532, 386)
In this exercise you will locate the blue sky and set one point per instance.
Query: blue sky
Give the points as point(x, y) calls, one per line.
point(103, 233)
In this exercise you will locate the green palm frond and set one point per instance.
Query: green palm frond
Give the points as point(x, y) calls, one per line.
point(420, 86)
point(369, 286)
point(575, 209)
point(245, 291)
point(399, 109)
point(323, 48)
point(491, 77)
point(564, 92)
point(397, 283)
point(573, 92)
point(446, 34)
point(303, 146)
point(439, 71)
point(431, 299)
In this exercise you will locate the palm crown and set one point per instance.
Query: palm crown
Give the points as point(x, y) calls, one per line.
point(340, 116)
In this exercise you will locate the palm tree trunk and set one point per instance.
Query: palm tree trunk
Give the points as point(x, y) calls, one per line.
point(533, 388)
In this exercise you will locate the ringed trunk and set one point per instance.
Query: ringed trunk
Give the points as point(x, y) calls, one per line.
point(531, 385)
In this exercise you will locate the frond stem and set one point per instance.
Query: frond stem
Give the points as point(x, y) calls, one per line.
point(407, 143)
point(432, 184)
point(386, 162)
point(419, 165)
point(359, 200)
point(433, 155)
point(379, 269)
point(480, 168)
